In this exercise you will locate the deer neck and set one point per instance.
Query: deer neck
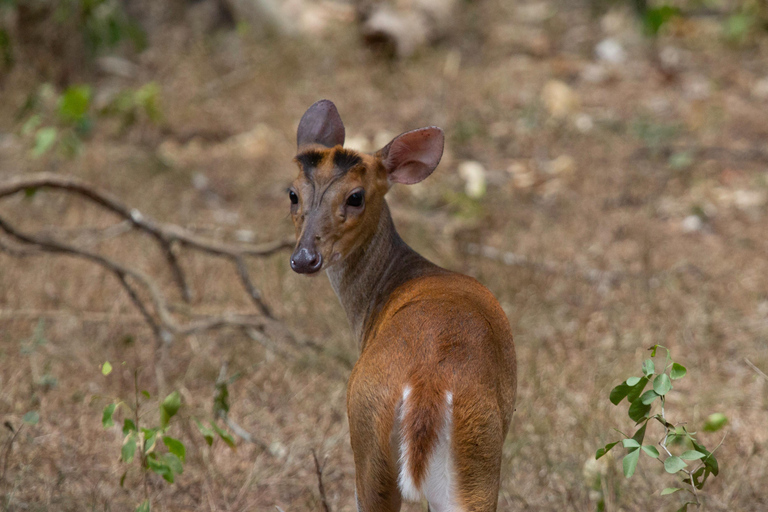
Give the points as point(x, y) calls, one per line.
point(364, 280)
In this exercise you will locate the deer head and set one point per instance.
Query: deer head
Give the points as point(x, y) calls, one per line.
point(338, 196)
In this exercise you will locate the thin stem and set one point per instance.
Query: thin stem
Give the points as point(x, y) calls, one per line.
point(141, 444)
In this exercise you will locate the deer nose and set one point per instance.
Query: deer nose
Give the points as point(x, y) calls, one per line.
point(306, 261)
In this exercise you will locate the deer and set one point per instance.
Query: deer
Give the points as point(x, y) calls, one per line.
point(431, 396)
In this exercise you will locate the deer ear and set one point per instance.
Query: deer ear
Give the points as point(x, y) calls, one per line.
point(412, 156)
point(321, 124)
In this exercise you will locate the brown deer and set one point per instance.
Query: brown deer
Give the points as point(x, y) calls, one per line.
point(431, 396)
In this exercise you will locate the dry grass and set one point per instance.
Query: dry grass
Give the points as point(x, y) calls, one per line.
point(703, 294)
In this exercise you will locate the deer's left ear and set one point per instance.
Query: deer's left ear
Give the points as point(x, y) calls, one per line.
point(412, 156)
point(321, 124)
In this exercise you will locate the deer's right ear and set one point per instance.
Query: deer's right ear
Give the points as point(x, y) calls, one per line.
point(412, 156)
point(321, 124)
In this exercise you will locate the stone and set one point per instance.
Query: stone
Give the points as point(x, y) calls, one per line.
point(474, 175)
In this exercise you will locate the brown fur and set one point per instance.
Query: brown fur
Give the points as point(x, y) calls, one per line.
point(417, 324)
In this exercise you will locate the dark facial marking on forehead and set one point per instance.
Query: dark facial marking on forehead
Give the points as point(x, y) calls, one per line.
point(310, 160)
point(344, 160)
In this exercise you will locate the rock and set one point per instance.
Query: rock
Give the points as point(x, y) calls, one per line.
point(117, 66)
point(522, 176)
point(760, 89)
point(559, 99)
point(611, 51)
point(672, 58)
point(696, 88)
point(199, 181)
point(749, 199)
point(692, 223)
point(406, 25)
point(584, 123)
point(562, 165)
point(595, 74)
point(261, 16)
point(533, 13)
point(473, 174)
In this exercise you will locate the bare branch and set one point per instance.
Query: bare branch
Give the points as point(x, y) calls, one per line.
point(166, 235)
point(757, 370)
point(321, 488)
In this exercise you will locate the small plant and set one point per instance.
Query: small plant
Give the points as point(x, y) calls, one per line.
point(641, 402)
point(63, 121)
point(142, 440)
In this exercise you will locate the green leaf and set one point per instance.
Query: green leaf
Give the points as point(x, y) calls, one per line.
point(128, 426)
point(648, 367)
point(710, 462)
point(169, 408)
point(638, 411)
point(715, 422)
point(106, 417)
point(696, 478)
point(648, 397)
point(630, 462)
point(632, 381)
point(651, 451)
point(670, 490)
point(122, 478)
point(224, 435)
point(129, 449)
point(619, 393)
point(656, 17)
point(44, 139)
point(146, 394)
point(674, 464)
point(653, 350)
point(684, 508)
point(637, 389)
point(661, 384)
point(605, 449)
point(73, 104)
point(630, 443)
point(150, 438)
point(161, 468)
point(173, 462)
point(144, 507)
point(221, 399)
point(31, 418)
point(692, 455)
point(31, 124)
point(208, 434)
point(640, 434)
point(106, 368)
point(678, 371)
point(176, 447)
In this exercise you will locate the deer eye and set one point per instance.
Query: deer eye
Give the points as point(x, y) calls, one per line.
point(356, 199)
point(294, 198)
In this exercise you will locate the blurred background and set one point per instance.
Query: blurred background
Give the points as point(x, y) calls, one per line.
point(605, 175)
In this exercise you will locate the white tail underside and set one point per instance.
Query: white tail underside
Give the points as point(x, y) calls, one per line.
point(439, 484)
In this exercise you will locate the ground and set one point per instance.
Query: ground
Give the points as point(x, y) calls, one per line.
point(626, 205)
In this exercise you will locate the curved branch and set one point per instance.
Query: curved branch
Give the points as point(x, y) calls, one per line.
point(166, 235)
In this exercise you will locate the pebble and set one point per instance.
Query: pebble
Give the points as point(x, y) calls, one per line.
point(692, 223)
point(559, 99)
point(611, 51)
point(473, 174)
point(760, 89)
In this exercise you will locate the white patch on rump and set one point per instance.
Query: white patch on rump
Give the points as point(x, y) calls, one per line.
point(439, 485)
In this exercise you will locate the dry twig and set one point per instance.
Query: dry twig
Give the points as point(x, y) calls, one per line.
point(321, 488)
point(166, 235)
point(160, 314)
point(757, 370)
